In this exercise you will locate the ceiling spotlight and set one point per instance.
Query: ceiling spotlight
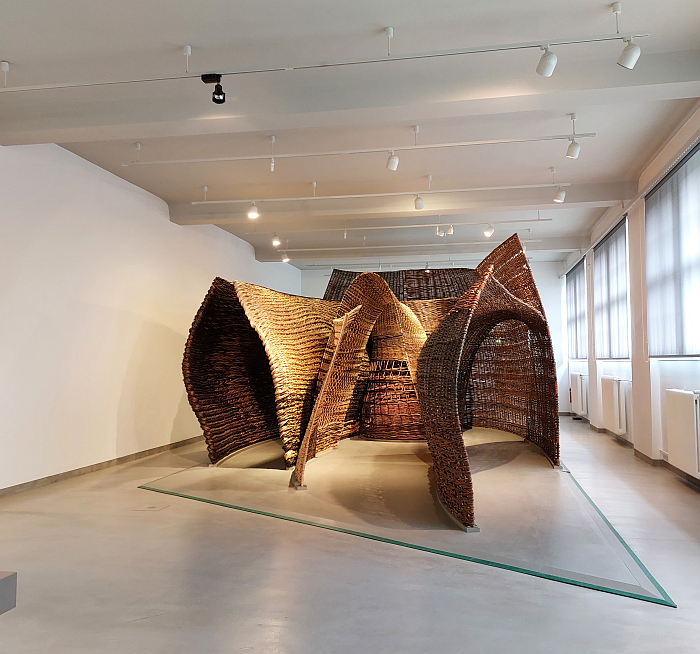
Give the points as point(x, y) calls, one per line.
point(218, 96)
point(547, 63)
point(418, 203)
point(629, 55)
point(276, 241)
point(253, 211)
point(392, 163)
point(573, 150)
point(450, 231)
point(488, 232)
point(560, 196)
point(427, 267)
point(438, 231)
point(285, 258)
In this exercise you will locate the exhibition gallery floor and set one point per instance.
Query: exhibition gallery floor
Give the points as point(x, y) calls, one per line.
point(106, 566)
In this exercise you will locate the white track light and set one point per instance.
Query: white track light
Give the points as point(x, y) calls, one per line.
point(488, 232)
point(418, 203)
point(450, 231)
point(547, 63)
point(253, 211)
point(573, 150)
point(276, 241)
point(630, 55)
point(560, 196)
point(285, 258)
point(427, 267)
point(392, 163)
point(438, 231)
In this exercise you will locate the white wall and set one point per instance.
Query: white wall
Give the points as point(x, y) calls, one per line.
point(550, 286)
point(98, 290)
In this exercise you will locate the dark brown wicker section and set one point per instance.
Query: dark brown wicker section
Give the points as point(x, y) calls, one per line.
point(448, 350)
point(227, 375)
point(410, 284)
point(445, 368)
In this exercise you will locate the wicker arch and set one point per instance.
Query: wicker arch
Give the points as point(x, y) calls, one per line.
point(445, 367)
point(227, 375)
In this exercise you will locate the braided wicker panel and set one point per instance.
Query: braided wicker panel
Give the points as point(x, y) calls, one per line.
point(410, 284)
point(391, 409)
point(341, 279)
point(295, 331)
point(335, 391)
point(431, 312)
point(227, 375)
point(510, 267)
point(438, 283)
point(446, 363)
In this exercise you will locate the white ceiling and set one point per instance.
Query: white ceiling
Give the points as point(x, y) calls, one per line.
point(469, 97)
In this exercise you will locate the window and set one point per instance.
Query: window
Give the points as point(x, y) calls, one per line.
point(576, 311)
point(673, 261)
point(610, 295)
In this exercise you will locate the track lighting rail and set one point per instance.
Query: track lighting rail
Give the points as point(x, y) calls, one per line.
point(442, 244)
point(628, 36)
point(401, 148)
point(384, 195)
point(412, 226)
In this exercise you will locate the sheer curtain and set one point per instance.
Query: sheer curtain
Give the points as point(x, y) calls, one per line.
point(576, 311)
point(610, 295)
point(673, 261)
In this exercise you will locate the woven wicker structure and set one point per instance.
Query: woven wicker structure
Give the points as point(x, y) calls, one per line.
point(445, 383)
point(227, 375)
point(398, 355)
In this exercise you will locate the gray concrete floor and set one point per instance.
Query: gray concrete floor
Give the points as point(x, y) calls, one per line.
point(106, 567)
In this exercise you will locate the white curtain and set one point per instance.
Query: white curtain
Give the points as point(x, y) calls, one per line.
point(673, 262)
point(576, 311)
point(610, 295)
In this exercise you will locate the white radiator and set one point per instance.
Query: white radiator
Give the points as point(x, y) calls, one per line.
point(682, 424)
point(614, 393)
point(579, 394)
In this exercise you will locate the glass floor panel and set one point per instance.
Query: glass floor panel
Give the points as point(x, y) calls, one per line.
point(532, 518)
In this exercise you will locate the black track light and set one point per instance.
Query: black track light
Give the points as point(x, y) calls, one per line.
point(218, 96)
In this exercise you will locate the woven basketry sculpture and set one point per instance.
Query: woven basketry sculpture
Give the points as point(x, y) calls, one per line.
point(399, 355)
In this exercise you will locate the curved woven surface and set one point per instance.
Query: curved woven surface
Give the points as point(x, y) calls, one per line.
point(409, 285)
point(335, 390)
point(431, 312)
point(446, 364)
point(294, 331)
point(227, 375)
point(390, 410)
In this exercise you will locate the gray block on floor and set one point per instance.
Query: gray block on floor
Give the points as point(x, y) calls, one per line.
point(8, 591)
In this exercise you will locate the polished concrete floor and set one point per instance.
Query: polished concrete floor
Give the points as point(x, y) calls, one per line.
point(106, 567)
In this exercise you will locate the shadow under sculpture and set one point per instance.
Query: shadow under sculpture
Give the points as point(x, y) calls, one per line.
point(262, 365)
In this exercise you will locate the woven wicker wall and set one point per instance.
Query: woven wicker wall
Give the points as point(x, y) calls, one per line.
point(295, 331)
point(410, 284)
point(227, 375)
point(485, 314)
